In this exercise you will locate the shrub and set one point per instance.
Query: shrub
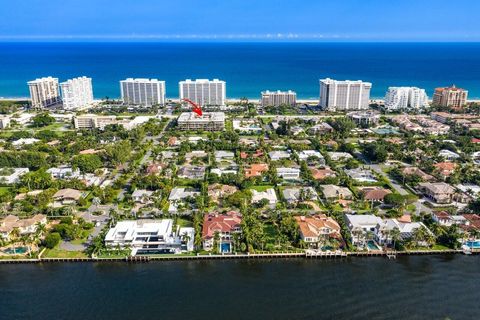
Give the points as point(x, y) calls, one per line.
point(52, 239)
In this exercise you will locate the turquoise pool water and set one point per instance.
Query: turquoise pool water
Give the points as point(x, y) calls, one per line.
point(372, 246)
point(17, 250)
point(473, 244)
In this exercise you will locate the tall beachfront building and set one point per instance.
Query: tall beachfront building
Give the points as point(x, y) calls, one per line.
point(344, 95)
point(44, 92)
point(403, 98)
point(450, 97)
point(278, 98)
point(203, 91)
point(76, 93)
point(145, 92)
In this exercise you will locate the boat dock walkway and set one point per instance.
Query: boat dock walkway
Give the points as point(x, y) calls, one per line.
point(311, 254)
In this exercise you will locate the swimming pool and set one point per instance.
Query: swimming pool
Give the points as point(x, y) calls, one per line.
point(371, 245)
point(16, 250)
point(473, 244)
point(225, 247)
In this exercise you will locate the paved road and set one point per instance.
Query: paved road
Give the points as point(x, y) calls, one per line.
point(395, 185)
point(147, 155)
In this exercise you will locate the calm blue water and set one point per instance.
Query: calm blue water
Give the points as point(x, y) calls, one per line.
point(248, 68)
point(415, 287)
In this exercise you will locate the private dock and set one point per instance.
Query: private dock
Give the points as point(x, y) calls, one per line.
point(310, 254)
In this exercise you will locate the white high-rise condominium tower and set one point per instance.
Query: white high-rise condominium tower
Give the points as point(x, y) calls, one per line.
point(344, 95)
point(203, 91)
point(76, 93)
point(44, 92)
point(278, 98)
point(403, 98)
point(146, 92)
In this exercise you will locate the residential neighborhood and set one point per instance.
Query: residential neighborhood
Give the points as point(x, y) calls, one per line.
point(177, 184)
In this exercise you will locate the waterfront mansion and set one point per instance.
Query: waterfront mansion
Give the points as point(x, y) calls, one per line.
point(150, 237)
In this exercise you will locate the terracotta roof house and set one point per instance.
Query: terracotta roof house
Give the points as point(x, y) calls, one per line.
point(474, 220)
point(410, 171)
point(320, 174)
point(172, 141)
point(374, 194)
point(445, 169)
point(255, 170)
point(224, 225)
point(317, 229)
point(217, 191)
point(246, 155)
point(154, 168)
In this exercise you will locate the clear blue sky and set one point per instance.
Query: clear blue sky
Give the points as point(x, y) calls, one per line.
point(318, 20)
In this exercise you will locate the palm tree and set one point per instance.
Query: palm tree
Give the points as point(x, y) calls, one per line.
point(395, 236)
point(216, 242)
point(186, 237)
point(14, 236)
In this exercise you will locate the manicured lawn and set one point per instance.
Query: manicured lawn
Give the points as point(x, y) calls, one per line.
point(440, 247)
point(261, 188)
point(182, 222)
point(59, 253)
point(4, 190)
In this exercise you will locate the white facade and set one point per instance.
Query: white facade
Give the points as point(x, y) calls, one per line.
point(278, 98)
point(288, 173)
point(268, 194)
point(344, 95)
point(203, 91)
point(44, 92)
point(403, 98)
point(208, 121)
point(4, 122)
point(77, 93)
point(146, 92)
point(12, 175)
point(93, 121)
point(150, 237)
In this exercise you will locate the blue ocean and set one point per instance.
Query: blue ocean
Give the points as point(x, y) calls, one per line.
point(248, 68)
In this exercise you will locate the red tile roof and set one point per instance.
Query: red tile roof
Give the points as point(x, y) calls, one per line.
point(214, 222)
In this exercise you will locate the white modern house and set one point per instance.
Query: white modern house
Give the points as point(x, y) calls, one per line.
point(361, 227)
point(448, 155)
point(288, 173)
point(177, 197)
point(306, 154)
point(150, 237)
point(268, 194)
point(339, 156)
point(279, 155)
point(12, 175)
point(361, 175)
point(383, 233)
point(64, 172)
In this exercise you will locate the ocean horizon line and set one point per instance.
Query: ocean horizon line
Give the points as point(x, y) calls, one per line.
point(228, 41)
